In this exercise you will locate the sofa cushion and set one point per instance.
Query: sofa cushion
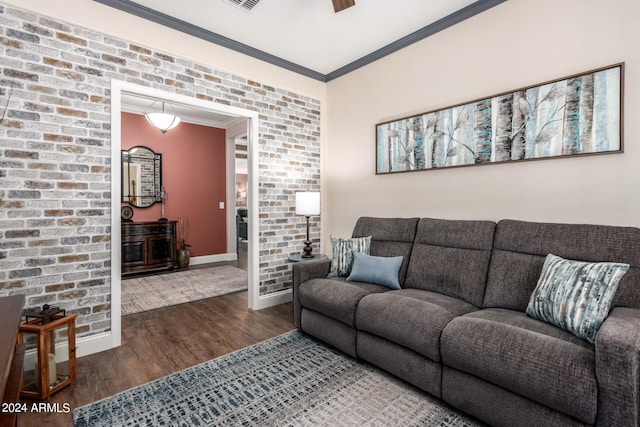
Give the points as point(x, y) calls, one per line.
point(389, 237)
point(575, 295)
point(451, 257)
point(343, 249)
point(525, 356)
point(412, 318)
point(520, 249)
point(376, 269)
point(335, 298)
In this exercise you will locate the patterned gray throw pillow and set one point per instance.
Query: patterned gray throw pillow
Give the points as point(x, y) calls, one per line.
point(575, 295)
point(343, 250)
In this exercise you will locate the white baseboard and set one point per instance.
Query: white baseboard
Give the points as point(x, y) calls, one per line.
point(93, 344)
point(206, 259)
point(276, 298)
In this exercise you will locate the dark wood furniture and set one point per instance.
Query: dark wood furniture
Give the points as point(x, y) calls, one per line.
point(148, 245)
point(11, 356)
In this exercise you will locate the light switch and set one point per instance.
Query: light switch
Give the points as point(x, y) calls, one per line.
point(221, 205)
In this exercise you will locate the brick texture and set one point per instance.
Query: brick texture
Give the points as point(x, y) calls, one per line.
point(55, 141)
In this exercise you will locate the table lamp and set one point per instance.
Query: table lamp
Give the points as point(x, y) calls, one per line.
point(307, 204)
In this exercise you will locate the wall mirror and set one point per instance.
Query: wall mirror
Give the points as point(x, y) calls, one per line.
point(141, 176)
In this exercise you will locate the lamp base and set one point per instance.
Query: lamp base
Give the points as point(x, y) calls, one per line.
point(307, 250)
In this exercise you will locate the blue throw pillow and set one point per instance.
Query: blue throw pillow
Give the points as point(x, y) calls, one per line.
point(376, 269)
point(575, 295)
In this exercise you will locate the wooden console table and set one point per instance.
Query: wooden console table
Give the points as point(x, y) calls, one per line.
point(11, 356)
point(149, 245)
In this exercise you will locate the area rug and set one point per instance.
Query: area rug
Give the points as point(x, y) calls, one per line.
point(290, 380)
point(162, 290)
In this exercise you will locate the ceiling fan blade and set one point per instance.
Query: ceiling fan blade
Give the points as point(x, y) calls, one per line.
point(340, 5)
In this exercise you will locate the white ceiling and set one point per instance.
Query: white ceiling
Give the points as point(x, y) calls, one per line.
point(308, 33)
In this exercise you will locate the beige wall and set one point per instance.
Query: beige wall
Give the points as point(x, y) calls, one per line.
point(515, 44)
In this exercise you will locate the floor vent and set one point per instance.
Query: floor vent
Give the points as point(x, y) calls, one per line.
point(244, 4)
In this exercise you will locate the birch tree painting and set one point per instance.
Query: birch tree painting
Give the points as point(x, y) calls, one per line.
point(576, 115)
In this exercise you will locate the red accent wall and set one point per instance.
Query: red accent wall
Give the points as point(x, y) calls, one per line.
point(194, 176)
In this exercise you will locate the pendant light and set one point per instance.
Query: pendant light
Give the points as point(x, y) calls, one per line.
point(163, 121)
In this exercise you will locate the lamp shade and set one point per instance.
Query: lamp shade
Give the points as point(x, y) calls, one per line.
point(308, 203)
point(162, 120)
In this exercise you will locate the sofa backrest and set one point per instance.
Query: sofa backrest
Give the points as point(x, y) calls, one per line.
point(451, 257)
point(389, 237)
point(520, 248)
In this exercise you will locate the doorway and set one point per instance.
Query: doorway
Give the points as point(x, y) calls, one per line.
point(239, 144)
point(248, 119)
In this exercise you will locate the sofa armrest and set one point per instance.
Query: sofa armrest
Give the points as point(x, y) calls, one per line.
point(303, 271)
point(618, 368)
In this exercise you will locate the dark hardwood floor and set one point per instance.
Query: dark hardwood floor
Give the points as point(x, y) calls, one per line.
point(159, 342)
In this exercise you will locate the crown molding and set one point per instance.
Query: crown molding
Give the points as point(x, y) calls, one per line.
point(421, 34)
point(199, 32)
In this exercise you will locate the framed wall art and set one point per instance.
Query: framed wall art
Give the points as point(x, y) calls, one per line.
point(575, 115)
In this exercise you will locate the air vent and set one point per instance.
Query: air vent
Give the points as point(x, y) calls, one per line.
point(243, 4)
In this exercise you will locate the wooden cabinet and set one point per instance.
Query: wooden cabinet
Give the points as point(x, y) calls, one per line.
point(148, 246)
point(11, 357)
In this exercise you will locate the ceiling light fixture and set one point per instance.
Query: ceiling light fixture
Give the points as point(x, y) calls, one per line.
point(163, 121)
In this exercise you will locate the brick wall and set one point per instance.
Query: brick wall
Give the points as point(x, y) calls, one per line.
point(55, 154)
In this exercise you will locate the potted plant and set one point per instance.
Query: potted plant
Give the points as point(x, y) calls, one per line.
point(183, 252)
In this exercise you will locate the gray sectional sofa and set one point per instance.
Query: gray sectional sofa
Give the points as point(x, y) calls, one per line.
point(458, 330)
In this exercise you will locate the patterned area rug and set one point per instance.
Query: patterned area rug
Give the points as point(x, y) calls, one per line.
point(290, 380)
point(162, 290)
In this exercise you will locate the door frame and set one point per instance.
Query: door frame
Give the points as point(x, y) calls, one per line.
point(233, 133)
point(119, 87)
